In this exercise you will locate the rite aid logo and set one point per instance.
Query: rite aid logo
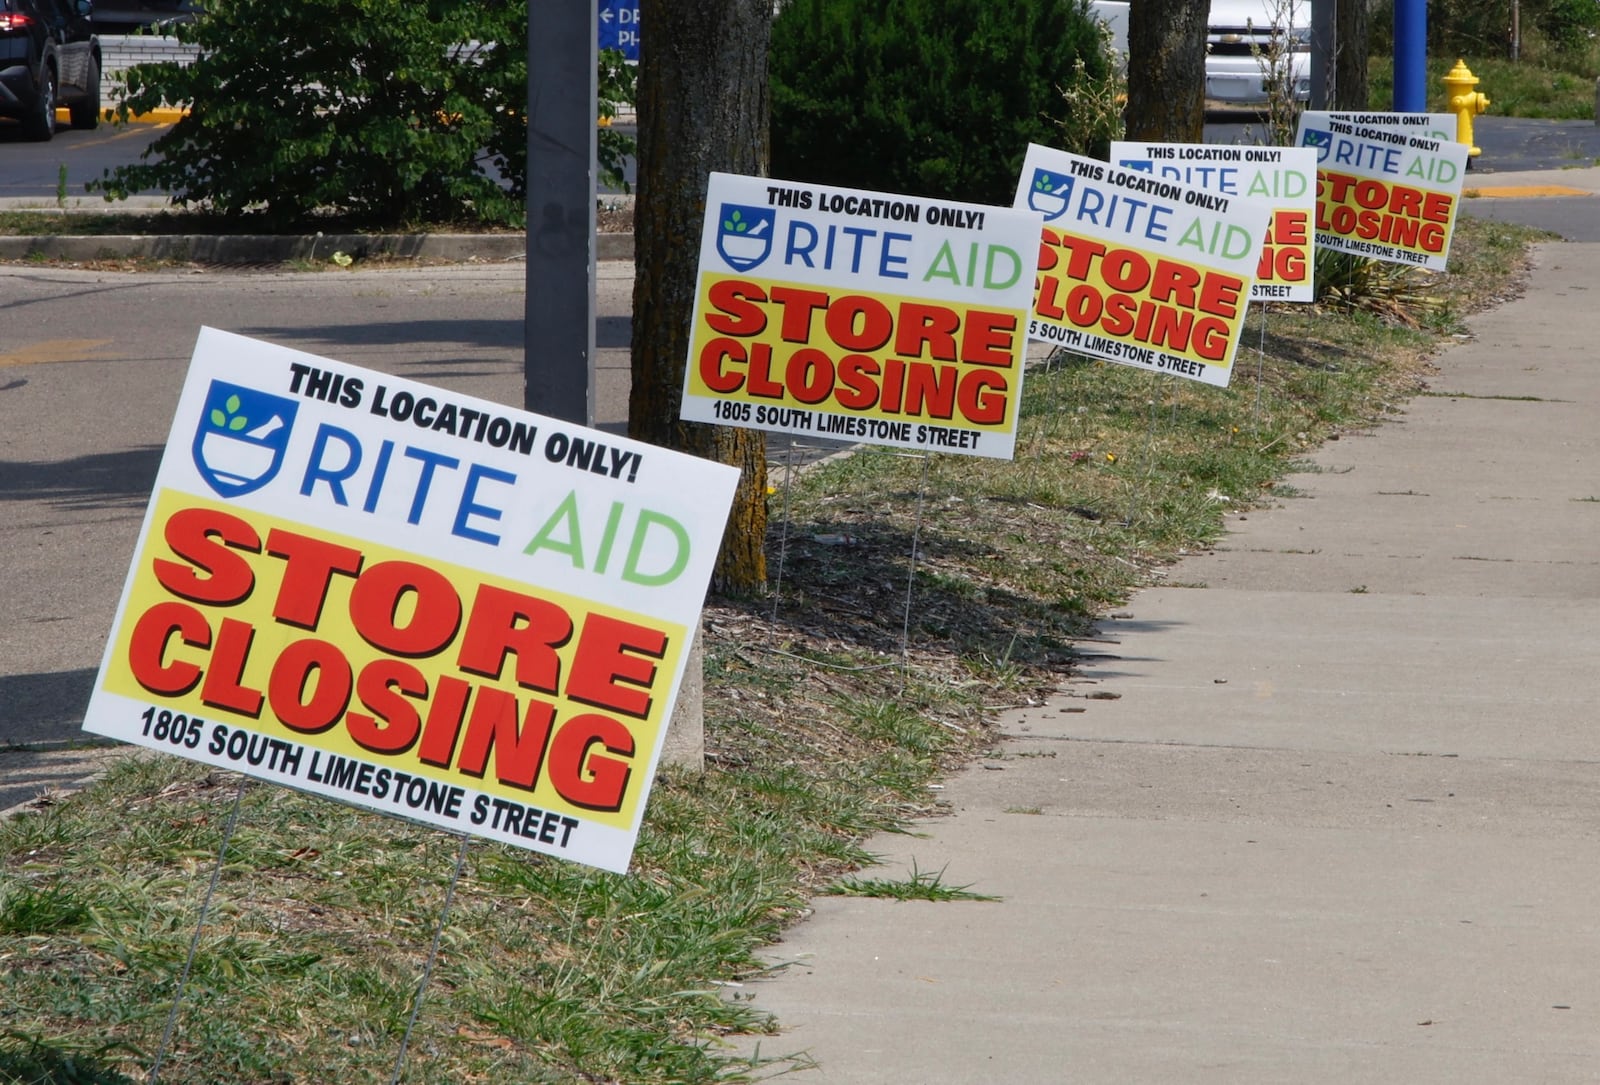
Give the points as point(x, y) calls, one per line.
point(1049, 193)
point(744, 234)
point(1321, 140)
point(242, 435)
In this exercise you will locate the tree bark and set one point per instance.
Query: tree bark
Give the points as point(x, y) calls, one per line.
point(702, 101)
point(1167, 70)
point(1350, 31)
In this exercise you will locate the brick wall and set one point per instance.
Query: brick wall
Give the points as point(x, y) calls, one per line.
point(119, 51)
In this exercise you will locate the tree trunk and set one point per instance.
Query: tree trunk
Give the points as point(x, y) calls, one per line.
point(1167, 70)
point(702, 101)
point(1350, 61)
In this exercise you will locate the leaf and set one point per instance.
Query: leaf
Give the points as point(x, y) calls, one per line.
point(238, 423)
point(488, 1038)
point(233, 404)
point(218, 419)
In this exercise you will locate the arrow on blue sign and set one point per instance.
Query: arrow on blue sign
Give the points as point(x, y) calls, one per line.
point(619, 27)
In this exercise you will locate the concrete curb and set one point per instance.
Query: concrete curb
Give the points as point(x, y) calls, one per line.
point(155, 116)
point(270, 249)
point(52, 774)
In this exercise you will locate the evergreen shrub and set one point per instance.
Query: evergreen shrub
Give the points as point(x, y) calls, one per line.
point(926, 97)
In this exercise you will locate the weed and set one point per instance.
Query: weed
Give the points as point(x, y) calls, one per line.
point(1398, 293)
point(33, 1061)
point(25, 910)
point(1094, 106)
point(1276, 61)
point(919, 885)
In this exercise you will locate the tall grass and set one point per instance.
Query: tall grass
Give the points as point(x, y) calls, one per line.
point(1544, 83)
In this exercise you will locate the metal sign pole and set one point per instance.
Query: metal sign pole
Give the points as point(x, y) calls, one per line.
point(199, 926)
point(433, 956)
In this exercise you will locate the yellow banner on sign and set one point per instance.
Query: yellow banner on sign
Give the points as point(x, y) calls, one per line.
point(852, 352)
point(1138, 300)
point(363, 654)
point(1286, 259)
point(1367, 210)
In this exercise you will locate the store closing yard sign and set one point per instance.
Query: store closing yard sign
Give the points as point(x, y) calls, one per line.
point(1384, 192)
point(1285, 177)
point(413, 601)
point(829, 312)
point(1137, 269)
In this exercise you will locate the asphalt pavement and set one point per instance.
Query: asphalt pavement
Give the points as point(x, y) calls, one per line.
point(39, 173)
point(1518, 145)
point(90, 366)
point(1537, 173)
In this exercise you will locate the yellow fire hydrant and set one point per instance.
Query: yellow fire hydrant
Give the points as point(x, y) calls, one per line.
point(1465, 103)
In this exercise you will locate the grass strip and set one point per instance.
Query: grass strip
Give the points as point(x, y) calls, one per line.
point(828, 717)
point(47, 220)
point(1551, 87)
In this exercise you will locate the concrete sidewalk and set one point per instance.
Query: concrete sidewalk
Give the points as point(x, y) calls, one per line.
point(1322, 809)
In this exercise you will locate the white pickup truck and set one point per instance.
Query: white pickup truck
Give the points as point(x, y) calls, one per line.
point(1239, 35)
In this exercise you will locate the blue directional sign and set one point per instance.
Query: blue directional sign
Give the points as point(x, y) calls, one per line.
point(619, 27)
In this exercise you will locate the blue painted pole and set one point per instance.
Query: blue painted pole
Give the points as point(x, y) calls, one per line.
point(1411, 56)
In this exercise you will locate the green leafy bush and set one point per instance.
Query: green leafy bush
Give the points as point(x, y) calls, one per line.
point(618, 82)
point(378, 112)
point(1483, 27)
point(1570, 24)
point(926, 97)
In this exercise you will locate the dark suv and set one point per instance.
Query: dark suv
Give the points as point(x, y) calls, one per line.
point(49, 57)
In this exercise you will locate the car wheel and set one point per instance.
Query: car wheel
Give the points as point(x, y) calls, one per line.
point(40, 123)
point(86, 112)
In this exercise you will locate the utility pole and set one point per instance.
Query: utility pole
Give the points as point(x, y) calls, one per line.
point(558, 333)
point(1411, 56)
point(1324, 52)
